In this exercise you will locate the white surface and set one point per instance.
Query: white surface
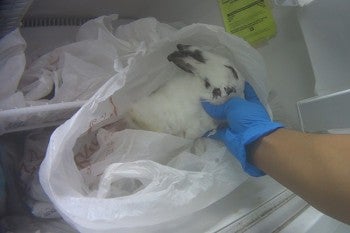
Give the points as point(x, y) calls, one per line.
point(268, 216)
point(290, 76)
point(279, 216)
point(325, 25)
point(231, 209)
point(313, 221)
point(325, 112)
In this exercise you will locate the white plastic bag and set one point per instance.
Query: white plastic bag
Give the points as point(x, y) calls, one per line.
point(12, 63)
point(105, 181)
point(34, 152)
point(77, 70)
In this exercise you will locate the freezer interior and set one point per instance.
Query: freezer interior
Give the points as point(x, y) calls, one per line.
point(294, 59)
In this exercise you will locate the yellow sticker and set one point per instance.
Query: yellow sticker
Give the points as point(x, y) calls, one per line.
point(250, 19)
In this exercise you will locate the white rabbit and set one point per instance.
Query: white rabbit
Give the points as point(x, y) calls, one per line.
point(175, 108)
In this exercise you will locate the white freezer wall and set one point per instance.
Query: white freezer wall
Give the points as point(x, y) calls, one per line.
point(289, 69)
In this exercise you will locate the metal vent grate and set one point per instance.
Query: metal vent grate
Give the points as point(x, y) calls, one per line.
point(54, 21)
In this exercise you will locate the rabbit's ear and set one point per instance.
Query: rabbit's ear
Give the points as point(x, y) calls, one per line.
point(178, 59)
point(186, 55)
point(187, 51)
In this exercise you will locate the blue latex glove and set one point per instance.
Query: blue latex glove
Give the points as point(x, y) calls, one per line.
point(247, 122)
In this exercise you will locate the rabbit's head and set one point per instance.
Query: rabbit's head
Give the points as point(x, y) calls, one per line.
point(220, 79)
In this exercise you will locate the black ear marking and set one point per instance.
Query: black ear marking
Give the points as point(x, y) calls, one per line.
point(174, 55)
point(183, 53)
point(177, 58)
point(216, 93)
point(197, 55)
point(235, 75)
point(184, 66)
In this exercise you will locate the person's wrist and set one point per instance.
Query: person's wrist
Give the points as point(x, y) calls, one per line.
point(258, 131)
point(253, 149)
point(250, 139)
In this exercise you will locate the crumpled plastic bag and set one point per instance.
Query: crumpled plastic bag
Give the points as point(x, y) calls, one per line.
point(34, 152)
point(12, 64)
point(59, 81)
point(127, 39)
point(75, 71)
point(105, 179)
point(156, 173)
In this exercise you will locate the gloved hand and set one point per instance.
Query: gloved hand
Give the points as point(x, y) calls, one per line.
point(247, 122)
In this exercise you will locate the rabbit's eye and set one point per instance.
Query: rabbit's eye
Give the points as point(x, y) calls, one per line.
point(235, 75)
point(216, 93)
point(207, 84)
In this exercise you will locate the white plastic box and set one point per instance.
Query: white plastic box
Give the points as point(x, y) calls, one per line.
point(325, 28)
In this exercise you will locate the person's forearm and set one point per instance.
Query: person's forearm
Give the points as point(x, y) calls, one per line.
point(316, 167)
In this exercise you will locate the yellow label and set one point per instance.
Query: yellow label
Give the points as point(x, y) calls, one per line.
point(250, 19)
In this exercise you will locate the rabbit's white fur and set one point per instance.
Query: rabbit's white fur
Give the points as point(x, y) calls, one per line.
point(175, 107)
